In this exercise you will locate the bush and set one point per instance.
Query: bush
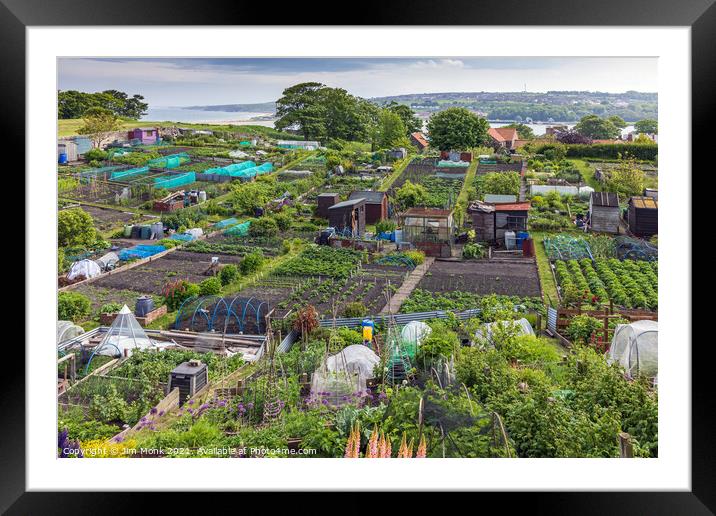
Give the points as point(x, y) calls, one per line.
point(384, 226)
point(646, 152)
point(110, 308)
point(442, 342)
point(210, 287)
point(251, 262)
point(283, 221)
point(176, 292)
point(75, 228)
point(581, 328)
point(473, 251)
point(95, 155)
point(417, 257)
point(263, 227)
point(72, 306)
point(355, 309)
point(228, 274)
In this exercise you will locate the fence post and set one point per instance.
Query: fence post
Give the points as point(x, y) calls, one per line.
point(626, 449)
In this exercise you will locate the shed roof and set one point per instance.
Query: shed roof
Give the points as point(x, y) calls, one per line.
point(428, 212)
point(420, 138)
point(648, 203)
point(512, 206)
point(328, 194)
point(370, 196)
point(353, 203)
point(606, 199)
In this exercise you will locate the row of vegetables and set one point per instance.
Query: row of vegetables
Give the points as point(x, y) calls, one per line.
point(628, 283)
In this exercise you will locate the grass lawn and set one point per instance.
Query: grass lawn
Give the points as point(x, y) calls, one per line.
point(549, 287)
point(587, 172)
point(69, 127)
point(395, 174)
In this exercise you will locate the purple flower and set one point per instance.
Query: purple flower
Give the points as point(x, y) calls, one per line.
point(161, 413)
point(191, 402)
point(250, 404)
point(153, 411)
point(191, 411)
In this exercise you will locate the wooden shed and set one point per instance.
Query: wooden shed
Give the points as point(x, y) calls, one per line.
point(604, 212)
point(325, 201)
point(643, 216)
point(491, 220)
point(348, 215)
point(146, 135)
point(376, 204)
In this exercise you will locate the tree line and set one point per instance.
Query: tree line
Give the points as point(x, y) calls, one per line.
point(74, 104)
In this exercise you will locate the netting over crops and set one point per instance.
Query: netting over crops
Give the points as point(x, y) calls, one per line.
point(124, 174)
point(104, 172)
point(453, 164)
point(226, 223)
point(233, 170)
point(635, 347)
point(565, 247)
point(240, 230)
point(140, 251)
point(175, 180)
point(182, 237)
point(171, 161)
point(68, 330)
point(414, 333)
point(229, 315)
point(486, 333)
point(635, 249)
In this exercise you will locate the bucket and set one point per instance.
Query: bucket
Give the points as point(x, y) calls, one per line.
point(143, 306)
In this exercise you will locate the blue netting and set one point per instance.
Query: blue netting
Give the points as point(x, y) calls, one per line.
point(447, 164)
point(171, 161)
point(226, 223)
point(123, 174)
point(184, 237)
point(140, 251)
point(175, 180)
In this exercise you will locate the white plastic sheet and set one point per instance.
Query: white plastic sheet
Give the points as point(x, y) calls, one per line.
point(86, 268)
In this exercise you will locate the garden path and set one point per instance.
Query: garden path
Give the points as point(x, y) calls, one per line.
point(407, 287)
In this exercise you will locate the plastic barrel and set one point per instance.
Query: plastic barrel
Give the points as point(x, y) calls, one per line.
point(143, 306)
point(146, 232)
point(136, 232)
point(62, 158)
point(528, 247)
point(128, 230)
point(397, 236)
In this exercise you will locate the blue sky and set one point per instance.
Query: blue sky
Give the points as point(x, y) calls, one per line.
point(200, 81)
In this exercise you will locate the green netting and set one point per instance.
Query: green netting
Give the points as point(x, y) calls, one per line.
point(123, 174)
point(226, 223)
point(171, 161)
point(88, 174)
point(175, 180)
point(231, 170)
point(457, 164)
point(239, 229)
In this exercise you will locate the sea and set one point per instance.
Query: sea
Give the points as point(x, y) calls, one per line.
point(198, 116)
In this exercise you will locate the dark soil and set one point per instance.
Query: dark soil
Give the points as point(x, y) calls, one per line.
point(483, 277)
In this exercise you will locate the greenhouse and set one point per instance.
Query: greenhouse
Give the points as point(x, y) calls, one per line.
point(635, 347)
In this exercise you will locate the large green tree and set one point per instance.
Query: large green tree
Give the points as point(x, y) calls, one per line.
point(618, 121)
point(75, 228)
point(648, 125)
point(410, 119)
point(98, 123)
point(595, 127)
point(457, 129)
point(303, 106)
point(75, 104)
point(391, 130)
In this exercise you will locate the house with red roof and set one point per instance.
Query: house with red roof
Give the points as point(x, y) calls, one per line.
point(504, 137)
point(419, 140)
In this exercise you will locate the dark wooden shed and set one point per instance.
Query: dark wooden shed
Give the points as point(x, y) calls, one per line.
point(348, 215)
point(643, 216)
point(376, 204)
point(492, 220)
point(604, 212)
point(325, 201)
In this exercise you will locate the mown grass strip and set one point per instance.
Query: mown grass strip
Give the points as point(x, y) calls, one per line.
point(395, 174)
point(549, 287)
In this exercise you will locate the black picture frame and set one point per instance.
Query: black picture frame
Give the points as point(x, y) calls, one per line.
point(700, 15)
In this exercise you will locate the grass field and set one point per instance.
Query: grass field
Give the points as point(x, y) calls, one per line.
point(70, 126)
point(549, 287)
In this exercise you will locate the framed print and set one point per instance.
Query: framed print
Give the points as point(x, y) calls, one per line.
point(299, 245)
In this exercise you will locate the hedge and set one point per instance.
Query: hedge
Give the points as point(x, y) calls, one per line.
point(613, 151)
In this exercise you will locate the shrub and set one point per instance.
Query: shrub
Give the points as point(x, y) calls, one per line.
point(263, 227)
point(581, 328)
point(210, 287)
point(385, 226)
point(228, 274)
point(417, 257)
point(95, 155)
point(442, 342)
point(614, 151)
point(110, 308)
point(75, 228)
point(355, 309)
point(473, 251)
point(251, 262)
point(72, 306)
point(176, 292)
point(306, 319)
point(283, 221)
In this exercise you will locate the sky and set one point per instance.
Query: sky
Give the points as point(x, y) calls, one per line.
point(168, 82)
